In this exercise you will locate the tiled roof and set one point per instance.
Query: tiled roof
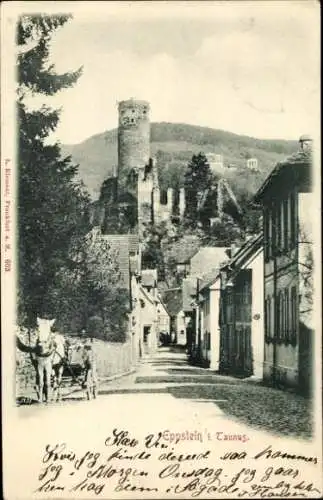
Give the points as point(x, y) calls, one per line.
point(209, 278)
point(148, 296)
point(133, 243)
point(182, 250)
point(120, 245)
point(172, 299)
point(246, 250)
point(149, 277)
point(207, 258)
point(297, 160)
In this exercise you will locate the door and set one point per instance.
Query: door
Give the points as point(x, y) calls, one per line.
point(147, 340)
point(227, 330)
point(305, 363)
point(242, 357)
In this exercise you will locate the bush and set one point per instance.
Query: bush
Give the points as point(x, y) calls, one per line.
point(95, 327)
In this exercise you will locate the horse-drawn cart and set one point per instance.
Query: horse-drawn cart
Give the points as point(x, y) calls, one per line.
point(58, 363)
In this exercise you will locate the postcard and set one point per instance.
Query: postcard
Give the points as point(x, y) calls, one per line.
point(160, 246)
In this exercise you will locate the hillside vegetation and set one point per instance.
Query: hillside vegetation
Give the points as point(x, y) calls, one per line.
point(174, 144)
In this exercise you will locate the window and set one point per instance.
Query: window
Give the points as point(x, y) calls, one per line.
point(278, 221)
point(280, 316)
point(285, 224)
point(287, 320)
point(268, 318)
point(293, 221)
point(294, 315)
point(266, 234)
point(272, 232)
point(268, 230)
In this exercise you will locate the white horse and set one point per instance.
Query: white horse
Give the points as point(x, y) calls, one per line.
point(58, 359)
point(42, 357)
point(49, 356)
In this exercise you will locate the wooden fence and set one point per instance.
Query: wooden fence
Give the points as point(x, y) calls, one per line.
point(112, 359)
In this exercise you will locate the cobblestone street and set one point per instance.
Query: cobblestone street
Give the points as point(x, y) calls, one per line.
point(183, 409)
point(168, 377)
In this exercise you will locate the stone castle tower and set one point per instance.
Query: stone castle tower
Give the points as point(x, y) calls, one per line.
point(133, 135)
point(134, 152)
point(134, 158)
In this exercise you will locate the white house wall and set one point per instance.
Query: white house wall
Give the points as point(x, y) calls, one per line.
point(215, 325)
point(257, 314)
point(180, 326)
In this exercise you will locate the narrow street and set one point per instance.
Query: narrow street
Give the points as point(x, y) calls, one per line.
point(192, 396)
point(181, 410)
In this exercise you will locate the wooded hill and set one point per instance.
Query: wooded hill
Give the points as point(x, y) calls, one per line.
point(174, 144)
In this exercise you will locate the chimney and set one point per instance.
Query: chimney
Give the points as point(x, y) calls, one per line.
point(305, 142)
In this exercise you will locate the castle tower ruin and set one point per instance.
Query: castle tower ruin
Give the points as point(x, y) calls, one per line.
point(133, 135)
point(134, 152)
point(181, 203)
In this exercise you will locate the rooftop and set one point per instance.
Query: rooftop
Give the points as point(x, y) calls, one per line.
point(207, 258)
point(183, 250)
point(297, 167)
point(120, 245)
point(149, 277)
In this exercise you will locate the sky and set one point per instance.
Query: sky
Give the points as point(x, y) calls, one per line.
point(248, 68)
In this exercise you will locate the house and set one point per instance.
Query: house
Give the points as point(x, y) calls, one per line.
point(149, 301)
point(189, 289)
point(149, 334)
point(203, 265)
point(163, 318)
point(209, 302)
point(240, 304)
point(180, 253)
point(126, 249)
point(286, 201)
point(174, 304)
point(149, 281)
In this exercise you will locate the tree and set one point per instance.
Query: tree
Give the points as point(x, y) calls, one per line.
point(152, 255)
point(223, 232)
point(198, 178)
point(306, 273)
point(93, 296)
point(52, 206)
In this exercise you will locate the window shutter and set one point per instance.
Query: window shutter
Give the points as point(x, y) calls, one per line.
point(287, 319)
point(293, 220)
point(293, 315)
point(285, 222)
